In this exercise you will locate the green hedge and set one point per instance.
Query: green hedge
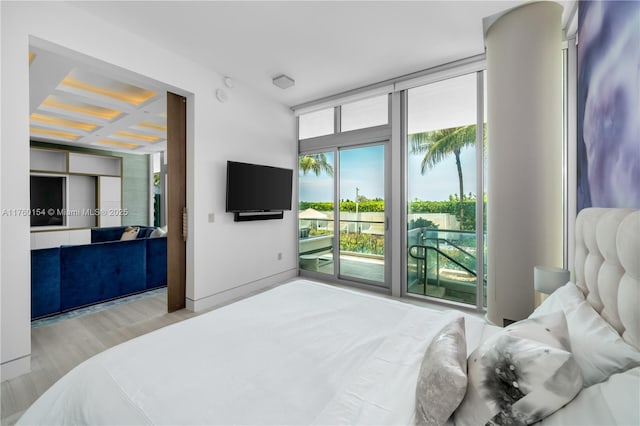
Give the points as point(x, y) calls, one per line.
point(321, 206)
point(451, 207)
point(345, 206)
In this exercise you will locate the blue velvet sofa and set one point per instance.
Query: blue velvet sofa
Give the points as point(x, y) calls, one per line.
point(68, 277)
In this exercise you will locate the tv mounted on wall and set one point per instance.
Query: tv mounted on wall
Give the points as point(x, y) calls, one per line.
point(257, 192)
point(47, 195)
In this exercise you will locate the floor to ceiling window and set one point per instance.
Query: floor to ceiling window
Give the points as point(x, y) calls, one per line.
point(391, 186)
point(342, 189)
point(444, 241)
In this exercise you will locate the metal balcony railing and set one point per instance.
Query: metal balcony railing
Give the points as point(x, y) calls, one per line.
point(436, 249)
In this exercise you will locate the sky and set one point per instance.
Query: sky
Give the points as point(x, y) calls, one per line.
point(363, 168)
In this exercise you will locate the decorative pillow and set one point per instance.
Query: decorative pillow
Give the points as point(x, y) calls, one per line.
point(442, 381)
point(521, 374)
point(597, 347)
point(158, 232)
point(131, 233)
point(563, 299)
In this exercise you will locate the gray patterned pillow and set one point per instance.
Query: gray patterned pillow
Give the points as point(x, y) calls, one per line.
point(521, 374)
point(442, 381)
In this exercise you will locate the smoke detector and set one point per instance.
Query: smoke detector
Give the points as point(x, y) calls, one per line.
point(283, 81)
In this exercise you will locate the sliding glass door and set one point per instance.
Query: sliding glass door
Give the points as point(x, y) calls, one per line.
point(348, 184)
point(362, 213)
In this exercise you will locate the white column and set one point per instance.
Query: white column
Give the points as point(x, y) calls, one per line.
point(524, 94)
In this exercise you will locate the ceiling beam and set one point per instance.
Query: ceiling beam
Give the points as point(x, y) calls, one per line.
point(126, 121)
point(45, 73)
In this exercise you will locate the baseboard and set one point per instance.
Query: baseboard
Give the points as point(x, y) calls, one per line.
point(239, 292)
point(15, 368)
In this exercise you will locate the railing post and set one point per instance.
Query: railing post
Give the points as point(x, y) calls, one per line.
point(438, 261)
point(426, 271)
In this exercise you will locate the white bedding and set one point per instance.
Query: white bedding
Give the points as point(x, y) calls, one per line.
point(302, 353)
point(612, 402)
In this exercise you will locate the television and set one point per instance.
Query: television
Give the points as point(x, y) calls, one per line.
point(254, 188)
point(47, 195)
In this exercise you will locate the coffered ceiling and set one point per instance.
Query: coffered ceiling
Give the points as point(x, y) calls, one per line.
point(73, 104)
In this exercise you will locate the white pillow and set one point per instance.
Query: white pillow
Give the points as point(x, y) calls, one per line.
point(442, 380)
point(158, 232)
point(521, 374)
point(597, 347)
point(613, 402)
point(566, 297)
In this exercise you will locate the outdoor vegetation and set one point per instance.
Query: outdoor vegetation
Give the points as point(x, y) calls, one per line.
point(358, 242)
point(452, 206)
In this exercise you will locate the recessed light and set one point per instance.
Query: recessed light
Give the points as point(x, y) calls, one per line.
point(283, 81)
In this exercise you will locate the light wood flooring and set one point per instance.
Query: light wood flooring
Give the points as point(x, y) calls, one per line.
point(58, 347)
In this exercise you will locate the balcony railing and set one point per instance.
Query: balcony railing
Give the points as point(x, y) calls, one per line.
point(443, 261)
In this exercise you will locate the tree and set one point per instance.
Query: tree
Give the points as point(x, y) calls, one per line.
point(316, 163)
point(438, 144)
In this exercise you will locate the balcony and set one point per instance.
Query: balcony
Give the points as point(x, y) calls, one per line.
point(361, 245)
point(442, 263)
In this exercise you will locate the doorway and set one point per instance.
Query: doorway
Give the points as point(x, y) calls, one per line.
point(129, 99)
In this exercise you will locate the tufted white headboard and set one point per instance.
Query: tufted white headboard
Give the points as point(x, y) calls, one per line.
point(607, 266)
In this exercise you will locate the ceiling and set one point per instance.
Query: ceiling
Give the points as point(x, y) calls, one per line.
point(327, 47)
point(75, 104)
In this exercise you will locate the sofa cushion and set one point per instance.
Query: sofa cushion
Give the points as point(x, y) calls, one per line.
point(113, 233)
point(145, 231)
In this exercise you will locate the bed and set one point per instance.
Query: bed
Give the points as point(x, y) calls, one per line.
point(310, 353)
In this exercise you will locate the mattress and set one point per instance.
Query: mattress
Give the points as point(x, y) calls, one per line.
point(301, 353)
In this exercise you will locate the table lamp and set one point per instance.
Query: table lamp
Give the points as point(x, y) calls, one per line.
point(547, 279)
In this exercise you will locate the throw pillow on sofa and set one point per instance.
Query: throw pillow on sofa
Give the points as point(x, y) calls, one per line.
point(131, 233)
point(158, 232)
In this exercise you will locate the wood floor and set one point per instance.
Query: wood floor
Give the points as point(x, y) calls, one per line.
point(58, 347)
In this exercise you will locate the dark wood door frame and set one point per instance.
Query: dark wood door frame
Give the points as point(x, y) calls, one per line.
point(176, 201)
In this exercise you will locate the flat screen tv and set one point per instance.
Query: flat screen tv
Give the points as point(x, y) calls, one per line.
point(258, 188)
point(47, 200)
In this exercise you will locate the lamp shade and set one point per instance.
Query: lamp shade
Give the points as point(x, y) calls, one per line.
point(547, 279)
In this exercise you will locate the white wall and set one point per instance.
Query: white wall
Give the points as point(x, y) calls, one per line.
point(234, 252)
point(224, 259)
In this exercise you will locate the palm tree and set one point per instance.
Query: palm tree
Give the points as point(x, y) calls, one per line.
point(438, 144)
point(316, 163)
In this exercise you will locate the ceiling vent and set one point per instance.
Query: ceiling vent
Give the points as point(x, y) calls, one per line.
point(283, 81)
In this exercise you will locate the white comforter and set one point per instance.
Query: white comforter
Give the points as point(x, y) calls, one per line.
point(302, 353)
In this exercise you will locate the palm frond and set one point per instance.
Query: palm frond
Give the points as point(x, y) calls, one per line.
point(438, 144)
point(317, 163)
